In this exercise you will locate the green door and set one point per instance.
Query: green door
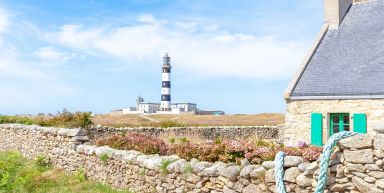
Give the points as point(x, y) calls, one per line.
point(339, 122)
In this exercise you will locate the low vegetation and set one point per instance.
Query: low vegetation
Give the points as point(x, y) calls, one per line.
point(255, 151)
point(20, 175)
point(189, 120)
point(61, 119)
point(135, 141)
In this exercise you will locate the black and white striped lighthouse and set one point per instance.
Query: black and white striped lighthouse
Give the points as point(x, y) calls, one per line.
point(166, 84)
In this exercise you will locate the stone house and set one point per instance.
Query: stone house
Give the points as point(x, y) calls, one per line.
point(340, 84)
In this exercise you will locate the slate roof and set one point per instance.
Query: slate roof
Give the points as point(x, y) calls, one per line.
point(349, 60)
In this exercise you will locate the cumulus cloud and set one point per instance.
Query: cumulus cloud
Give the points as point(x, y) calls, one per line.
point(52, 56)
point(206, 53)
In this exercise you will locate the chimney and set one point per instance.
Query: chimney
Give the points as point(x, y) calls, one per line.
point(335, 10)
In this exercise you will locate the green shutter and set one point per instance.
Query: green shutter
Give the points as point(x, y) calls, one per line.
point(317, 129)
point(360, 123)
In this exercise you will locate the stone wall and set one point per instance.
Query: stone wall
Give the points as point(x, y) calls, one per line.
point(206, 133)
point(298, 116)
point(356, 166)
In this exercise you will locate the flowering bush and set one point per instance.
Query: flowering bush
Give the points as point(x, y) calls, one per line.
point(218, 150)
point(302, 144)
point(136, 141)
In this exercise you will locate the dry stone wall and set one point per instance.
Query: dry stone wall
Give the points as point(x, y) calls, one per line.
point(203, 132)
point(356, 166)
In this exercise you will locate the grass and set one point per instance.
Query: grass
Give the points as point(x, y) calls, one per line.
point(164, 165)
point(189, 120)
point(188, 169)
point(20, 175)
point(104, 158)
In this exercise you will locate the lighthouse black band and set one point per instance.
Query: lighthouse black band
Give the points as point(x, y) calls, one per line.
point(165, 97)
point(166, 84)
point(166, 70)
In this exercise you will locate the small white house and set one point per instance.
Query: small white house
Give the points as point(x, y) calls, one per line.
point(130, 110)
point(148, 107)
point(185, 107)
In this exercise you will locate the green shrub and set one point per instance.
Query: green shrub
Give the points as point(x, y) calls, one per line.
point(172, 140)
point(141, 172)
point(217, 141)
point(104, 158)
point(124, 132)
point(169, 123)
point(263, 143)
point(184, 140)
point(80, 175)
point(42, 161)
point(188, 169)
point(164, 165)
point(61, 119)
point(20, 119)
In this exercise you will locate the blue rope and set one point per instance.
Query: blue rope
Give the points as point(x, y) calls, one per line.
point(324, 163)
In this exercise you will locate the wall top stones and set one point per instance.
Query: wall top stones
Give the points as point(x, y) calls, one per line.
point(45, 130)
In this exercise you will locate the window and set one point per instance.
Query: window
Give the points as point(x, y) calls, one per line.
point(339, 122)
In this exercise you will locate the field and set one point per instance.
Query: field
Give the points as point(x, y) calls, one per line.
point(189, 120)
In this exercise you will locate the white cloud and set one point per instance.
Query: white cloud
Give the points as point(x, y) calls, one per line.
point(23, 83)
point(53, 56)
point(147, 18)
point(206, 53)
point(4, 20)
point(4, 23)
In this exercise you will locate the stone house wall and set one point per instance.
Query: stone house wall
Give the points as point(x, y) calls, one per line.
point(203, 132)
point(356, 166)
point(298, 116)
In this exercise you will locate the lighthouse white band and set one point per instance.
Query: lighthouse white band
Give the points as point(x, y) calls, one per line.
point(165, 90)
point(166, 77)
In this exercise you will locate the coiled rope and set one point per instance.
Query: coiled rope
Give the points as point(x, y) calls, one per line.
point(324, 163)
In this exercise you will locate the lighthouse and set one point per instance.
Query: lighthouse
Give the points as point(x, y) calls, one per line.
point(166, 84)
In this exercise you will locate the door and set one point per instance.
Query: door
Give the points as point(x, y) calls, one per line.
point(339, 122)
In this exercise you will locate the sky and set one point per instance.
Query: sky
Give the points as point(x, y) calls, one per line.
point(98, 55)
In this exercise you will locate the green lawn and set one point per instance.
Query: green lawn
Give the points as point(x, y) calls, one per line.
point(18, 174)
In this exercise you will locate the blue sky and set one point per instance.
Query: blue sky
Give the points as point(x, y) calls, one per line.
point(98, 55)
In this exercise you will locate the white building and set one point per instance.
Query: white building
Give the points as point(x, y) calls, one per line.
point(185, 107)
point(130, 110)
point(146, 107)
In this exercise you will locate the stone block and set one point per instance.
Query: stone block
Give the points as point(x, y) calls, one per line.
point(290, 174)
point(258, 172)
point(303, 180)
point(252, 188)
point(292, 161)
point(378, 141)
point(270, 176)
point(231, 172)
point(364, 156)
point(363, 186)
point(356, 142)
